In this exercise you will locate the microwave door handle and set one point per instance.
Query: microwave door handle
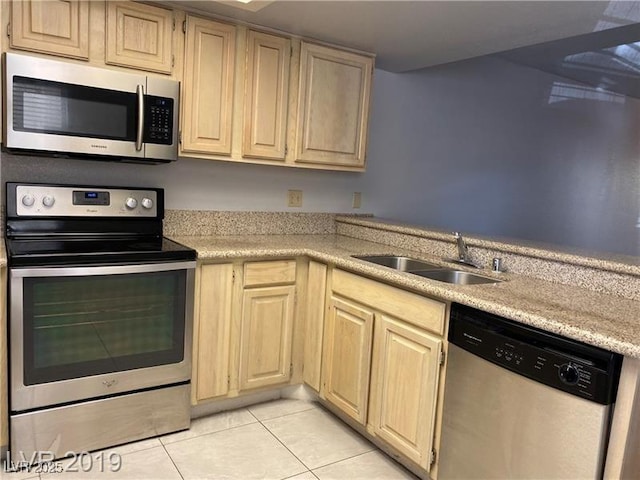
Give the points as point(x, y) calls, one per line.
point(140, 95)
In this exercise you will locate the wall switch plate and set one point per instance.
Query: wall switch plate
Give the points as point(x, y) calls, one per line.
point(295, 198)
point(357, 199)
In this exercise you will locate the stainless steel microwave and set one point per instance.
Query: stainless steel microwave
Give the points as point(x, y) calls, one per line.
point(66, 109)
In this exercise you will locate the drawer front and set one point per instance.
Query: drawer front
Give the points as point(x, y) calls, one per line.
point(277, 272)
point(419, 311)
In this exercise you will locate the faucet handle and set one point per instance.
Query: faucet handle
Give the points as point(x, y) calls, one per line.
point(497, 264)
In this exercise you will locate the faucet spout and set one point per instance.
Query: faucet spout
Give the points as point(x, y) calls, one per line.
point(463, 251)
point(462, 247)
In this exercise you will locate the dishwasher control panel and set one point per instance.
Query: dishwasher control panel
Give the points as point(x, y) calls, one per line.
point(574, 367)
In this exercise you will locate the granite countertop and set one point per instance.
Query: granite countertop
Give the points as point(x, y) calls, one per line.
point(603, 320)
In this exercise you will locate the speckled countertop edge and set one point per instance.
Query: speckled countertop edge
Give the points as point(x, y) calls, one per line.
point(602, 320)
point(612, 262)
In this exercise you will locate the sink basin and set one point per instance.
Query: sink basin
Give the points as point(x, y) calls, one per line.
point(427, 270)
point(458, 277)
point(404, 264)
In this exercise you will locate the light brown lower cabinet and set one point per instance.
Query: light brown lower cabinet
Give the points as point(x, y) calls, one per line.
point(267, 326)
point(373, 351)
point(381, 366)
point(314, 308)
point(212, 332)
point(404, 387)
point(347, 357)
point(243, 327)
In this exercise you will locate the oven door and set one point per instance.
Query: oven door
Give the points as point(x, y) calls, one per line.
point(88, 332)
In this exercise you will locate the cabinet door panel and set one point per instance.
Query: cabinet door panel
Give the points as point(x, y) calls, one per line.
point(266, 96)
point(314, 323)
point(56, 27)
point(267, 325)
point(139, 36)
point(333, 106)
point(347, 360)
point(406, 381)
point(213, 331)
point(208, 87)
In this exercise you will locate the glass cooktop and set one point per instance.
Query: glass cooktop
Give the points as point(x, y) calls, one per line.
point(37, 251)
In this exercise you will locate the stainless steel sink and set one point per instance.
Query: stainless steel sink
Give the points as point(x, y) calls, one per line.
point(427, 270)
point(458, 277)
point(404, 264)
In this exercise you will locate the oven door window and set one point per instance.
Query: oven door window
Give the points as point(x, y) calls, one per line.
point(44, 106)
point(81, 326)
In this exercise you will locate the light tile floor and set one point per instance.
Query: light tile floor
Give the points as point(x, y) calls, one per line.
point(282, 439)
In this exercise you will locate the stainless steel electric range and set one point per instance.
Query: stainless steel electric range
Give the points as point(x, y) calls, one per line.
point(100, 318)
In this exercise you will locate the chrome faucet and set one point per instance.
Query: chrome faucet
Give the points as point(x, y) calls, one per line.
point(463, 251)
point(462, 247)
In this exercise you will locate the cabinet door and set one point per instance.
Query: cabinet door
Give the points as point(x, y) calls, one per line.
point(333, 106)
point(266, 96)
point(265, 338)
point(314, 323)
point(212, 331)
point(208, 87)
point(56, 27)
point(139, 36)
point(347, 357)
point(406, 371)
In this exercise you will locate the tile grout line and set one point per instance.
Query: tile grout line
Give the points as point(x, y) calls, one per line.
point(345, 459)
point(374, 449)
point(287, 448)
point(174, 463)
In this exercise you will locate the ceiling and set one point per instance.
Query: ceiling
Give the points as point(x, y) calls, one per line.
point(409, 35)
point(607, 60)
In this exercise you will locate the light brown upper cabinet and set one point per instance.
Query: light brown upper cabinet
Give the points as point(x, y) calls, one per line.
point(294, 103)
point(139, 36)
point(207, 105)
point(333, 106)
point(266, 96)
point(55, 27)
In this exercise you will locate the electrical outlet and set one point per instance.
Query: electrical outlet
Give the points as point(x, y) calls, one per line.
point(295, 198)
point(357, 199)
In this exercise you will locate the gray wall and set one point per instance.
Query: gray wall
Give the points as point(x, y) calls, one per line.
point(193, 184)
point(488, 147)
point(482, 146)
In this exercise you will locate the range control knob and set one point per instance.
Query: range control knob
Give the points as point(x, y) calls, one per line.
point(131, 203)
point(569, 374)
point(48, 200)
point(147, 203)
point(28, 200)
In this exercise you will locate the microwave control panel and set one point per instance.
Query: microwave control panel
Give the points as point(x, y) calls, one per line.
point(158, 115)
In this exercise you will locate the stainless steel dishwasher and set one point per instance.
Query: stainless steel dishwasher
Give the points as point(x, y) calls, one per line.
point(522, 403)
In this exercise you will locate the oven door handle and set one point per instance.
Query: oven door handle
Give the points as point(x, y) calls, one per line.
point(140, 130)
point(73, 271)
